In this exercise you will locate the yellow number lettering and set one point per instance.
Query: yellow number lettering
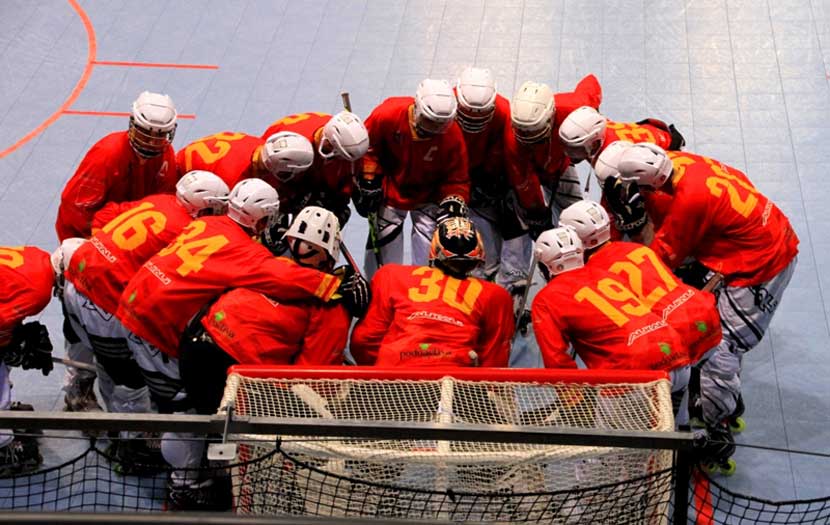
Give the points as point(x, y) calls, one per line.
point(587, 294)
point(428, 289)
point(210, 149)
point(195, 252)
point(431, 288)
point(129, 230)
point(641, 254)
point(618, 292)
point(679, 164)
point(293, 119)
point(11, 257)
point(468, 301)
point(744, 207)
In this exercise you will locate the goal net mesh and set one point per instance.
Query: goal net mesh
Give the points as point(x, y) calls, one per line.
point(451, 480)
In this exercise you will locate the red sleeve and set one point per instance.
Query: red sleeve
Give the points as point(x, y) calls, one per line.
point(374, 126)
point(368, 333)
point(326, 337)
point(683, 228)
point(587, 93)
point(522, 178)
point(497, 333)
point(84, 194)
point(549, 334)
point(285, 280)
point(457, 180)
point(167, 184)
point(110, 211)
point(590, 89)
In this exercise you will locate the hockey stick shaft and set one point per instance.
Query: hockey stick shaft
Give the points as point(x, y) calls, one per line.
point(77, 364)
point(349, 259)
point(713, 282)
point(347, 103)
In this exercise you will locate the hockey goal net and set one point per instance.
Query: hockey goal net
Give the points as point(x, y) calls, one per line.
point(454, 480)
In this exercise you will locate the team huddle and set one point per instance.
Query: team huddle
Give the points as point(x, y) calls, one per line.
point(174, 266)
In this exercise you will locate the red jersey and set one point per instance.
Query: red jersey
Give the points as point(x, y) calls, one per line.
point(577, 308)
point(529, 167)
point(420, 316)
point(111, 172)
point(330, 179)
point(415, 170)
point(229, 155)
point(256, 330)
point(692, 313)
point(211, 255)
point(26, 280)
point(636, 133)
point(101, 267)
point(487, 146)
point(719, 218)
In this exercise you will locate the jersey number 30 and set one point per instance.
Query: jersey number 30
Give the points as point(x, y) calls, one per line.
point(435, 284)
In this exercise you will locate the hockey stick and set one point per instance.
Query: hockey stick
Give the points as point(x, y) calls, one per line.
point(713, 282)
point(349, 259)
point(523, 302)
point(77, 364)
point(347, 103)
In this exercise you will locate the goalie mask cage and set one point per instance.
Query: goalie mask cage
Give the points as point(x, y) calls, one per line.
point(454, 480)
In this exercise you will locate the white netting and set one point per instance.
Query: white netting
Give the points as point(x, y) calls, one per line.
point(343, 476)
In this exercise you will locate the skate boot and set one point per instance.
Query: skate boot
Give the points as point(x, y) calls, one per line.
point(715, 447)
point(21, 456)
point(25, 432)
point(80, 396)
point(137, 457)
point(735, 421)
point(210, 494)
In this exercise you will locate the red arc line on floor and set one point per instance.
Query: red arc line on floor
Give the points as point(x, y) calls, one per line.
point(154, 64)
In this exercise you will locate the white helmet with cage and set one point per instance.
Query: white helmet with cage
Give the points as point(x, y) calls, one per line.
point(646, 164)
point(202, 193)
point(315, 226)
point(476, 94)
point(607, 163)
point(344, 136)
point(285, 154)
point(61, 257)
point(152, 124)
point(582, 133)
point(589, 220)
point(531, 112)
point(253, 204)
point(559, 250)
point(435, 107)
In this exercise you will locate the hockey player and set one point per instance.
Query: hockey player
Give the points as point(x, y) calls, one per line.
point(237, 156)
point(247, 327)
point(123, 166)
point(416, 164)
point(720, 219)
point(340, 141)
point(128, 234)
point(483, 115)
point(437, 315)
point(537, 167)
point(26, 282)
point(595, 309)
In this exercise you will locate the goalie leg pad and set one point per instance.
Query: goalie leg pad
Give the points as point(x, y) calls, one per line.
point(385, 237)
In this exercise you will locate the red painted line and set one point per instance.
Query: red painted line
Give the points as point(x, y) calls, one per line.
point(153, 64)
point(702, 500)
point(113, 114)
point(76, 91)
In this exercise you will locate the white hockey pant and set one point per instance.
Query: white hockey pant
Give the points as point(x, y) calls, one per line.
point(161, 374)
point(745, 314)
point(184, 452)
point(6, 435)
point(389, 240)
point(506, 261)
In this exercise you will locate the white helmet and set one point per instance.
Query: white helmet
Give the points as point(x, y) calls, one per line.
point(607, 162)
point(435, 107)
point(317, 226)
point(559, 250)
point(582, 133)
point(253, 204)
point(285, 154)
point(589, 220)
point(476, 94)
point(202, 193)
point(646, 164)
point(63, 255)
point(345, 136)
point(152, 124)
point(531, 112)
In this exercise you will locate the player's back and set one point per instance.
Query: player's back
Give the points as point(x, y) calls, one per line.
point(433, 319)
point(26, 280)
point(607, 323)
point(635, 132)
point(101, 267)
point(306, 124)
point(227, 154)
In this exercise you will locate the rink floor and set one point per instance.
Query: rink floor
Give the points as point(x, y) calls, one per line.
point(746, 81)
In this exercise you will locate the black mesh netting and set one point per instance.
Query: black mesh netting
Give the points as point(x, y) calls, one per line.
point(282, 483)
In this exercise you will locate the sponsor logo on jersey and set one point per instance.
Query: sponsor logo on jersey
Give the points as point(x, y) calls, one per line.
point(424, 351)
point(640, 332)
point(158, 273)
point(677, 303)
point(432, 316)
point(103, 250)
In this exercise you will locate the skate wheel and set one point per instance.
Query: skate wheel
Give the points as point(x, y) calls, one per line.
point(728, 468)
point(737, 425)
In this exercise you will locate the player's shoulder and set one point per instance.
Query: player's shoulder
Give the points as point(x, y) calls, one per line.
point(394, 271)
point(393, 105)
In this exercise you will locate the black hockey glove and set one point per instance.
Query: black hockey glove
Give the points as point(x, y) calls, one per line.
point(452, 206)
point(30, 348)
point(537, 223)
point(693, 273)
point(626, 204)
point(677, 140)
point(353, 293)
point(368, 195)
point(271, 238)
